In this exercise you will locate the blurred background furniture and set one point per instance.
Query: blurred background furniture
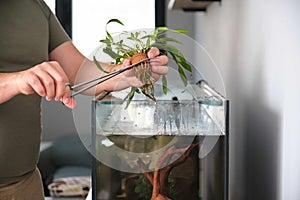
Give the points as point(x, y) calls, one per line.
point(64, 157)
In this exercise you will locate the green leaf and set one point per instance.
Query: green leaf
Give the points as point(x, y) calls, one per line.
point(103, 41)
point(182, 58)
point(166, 39)
point(182, 75)
point(130, 96)
point(162, 28)
point(118, 60)
point(186, 66)
point(148, 43)
point(131, 36)
point(98, 65)
point(139, 42)
point(180, 70)
point(111, 53)
point(159, 30)
point(114, 20)
point(147, 36)
point(164, 84)
point(109, 37)
point(169, 48)
point(180, 31)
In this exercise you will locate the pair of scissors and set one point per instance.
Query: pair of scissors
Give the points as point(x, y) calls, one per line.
point(102, 79)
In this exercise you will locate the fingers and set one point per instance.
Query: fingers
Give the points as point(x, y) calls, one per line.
point(33, 85)
point(158, 63)
point(56, 87)
point(47, 79)
point(160, 70)
point(66, 96)
point(153, 52)
point(42, 83)
point(157, 60)
point(133, 82)
point(67, 100)
point(126, 62)
point(158, 67)
point(70, 103)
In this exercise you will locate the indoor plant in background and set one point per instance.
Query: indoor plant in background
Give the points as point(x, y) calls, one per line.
point(135, 46)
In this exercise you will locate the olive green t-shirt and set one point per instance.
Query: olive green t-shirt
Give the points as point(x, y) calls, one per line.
point(28, 32)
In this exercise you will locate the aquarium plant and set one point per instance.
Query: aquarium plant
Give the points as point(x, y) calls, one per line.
point(135, 47)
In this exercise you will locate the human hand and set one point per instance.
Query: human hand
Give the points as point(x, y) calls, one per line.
point(158, 63)
point(48, 80)
point(158, 68)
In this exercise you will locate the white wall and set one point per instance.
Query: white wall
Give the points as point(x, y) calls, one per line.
point(256, 45)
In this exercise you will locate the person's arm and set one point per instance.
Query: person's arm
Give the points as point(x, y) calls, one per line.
point(79, 69)
point(8, 86)
point(49, 79)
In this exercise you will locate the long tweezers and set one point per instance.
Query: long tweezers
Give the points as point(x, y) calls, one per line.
point(102, 79)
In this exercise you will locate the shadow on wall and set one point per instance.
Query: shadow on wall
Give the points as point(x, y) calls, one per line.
point(262, 146)
point(262, 150)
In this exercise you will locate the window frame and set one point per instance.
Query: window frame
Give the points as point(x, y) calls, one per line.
point(63, 11)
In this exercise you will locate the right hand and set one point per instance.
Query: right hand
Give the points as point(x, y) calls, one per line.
point(48, 80)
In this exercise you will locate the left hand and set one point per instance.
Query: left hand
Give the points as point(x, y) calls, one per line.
point(158, 63)
point(158, 68)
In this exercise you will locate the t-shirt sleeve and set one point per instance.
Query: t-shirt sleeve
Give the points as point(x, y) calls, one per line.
point(57, 34)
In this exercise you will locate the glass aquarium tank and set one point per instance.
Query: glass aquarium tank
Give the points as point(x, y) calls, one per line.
point(174, 148)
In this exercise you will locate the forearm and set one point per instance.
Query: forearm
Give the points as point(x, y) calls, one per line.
point(8, 86)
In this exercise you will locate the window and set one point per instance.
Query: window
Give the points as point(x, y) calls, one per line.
point(90, 17)
point(51, 4)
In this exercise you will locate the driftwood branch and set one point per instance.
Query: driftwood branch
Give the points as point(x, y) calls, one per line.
point(159, 179)
point(149, 175)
